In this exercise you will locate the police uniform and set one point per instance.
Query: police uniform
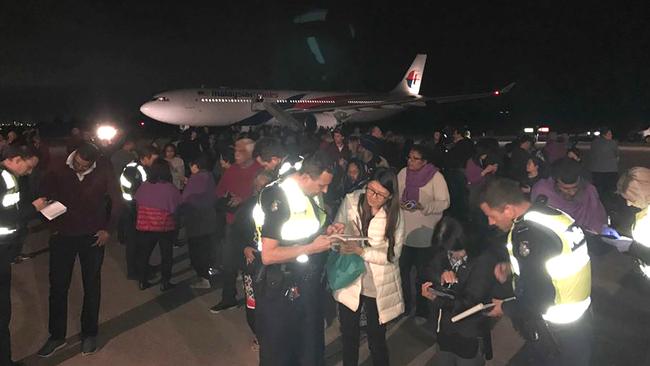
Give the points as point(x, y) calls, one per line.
point(9, 229)
point(289, 309)
point(552, 283)
point(133, 175)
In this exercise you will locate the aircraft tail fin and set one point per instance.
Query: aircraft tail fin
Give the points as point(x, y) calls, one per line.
point(410, 83)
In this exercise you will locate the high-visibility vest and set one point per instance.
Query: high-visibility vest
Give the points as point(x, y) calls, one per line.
point(641, 234)
point(570, 271)
point(10, 200)
point(303, 223)
point(131, 178)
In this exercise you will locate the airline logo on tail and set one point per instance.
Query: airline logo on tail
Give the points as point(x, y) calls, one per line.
point(412, 79)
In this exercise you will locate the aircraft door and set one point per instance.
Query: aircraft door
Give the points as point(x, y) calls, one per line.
point(257, 103)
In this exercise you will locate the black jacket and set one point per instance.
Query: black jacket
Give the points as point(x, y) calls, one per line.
point(476, 284)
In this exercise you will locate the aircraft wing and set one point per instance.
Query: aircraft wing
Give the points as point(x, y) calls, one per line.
point(393, 103)
point(461, 97)
point(401, 102)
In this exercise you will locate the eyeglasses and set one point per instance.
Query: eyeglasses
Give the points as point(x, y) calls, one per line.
point(375, 194)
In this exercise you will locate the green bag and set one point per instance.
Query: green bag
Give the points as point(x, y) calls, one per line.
point(343, 269)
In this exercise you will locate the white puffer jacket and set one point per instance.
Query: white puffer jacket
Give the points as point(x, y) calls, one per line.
point(385, 274)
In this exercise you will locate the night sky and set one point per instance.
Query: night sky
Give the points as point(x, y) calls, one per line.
point(93, 60)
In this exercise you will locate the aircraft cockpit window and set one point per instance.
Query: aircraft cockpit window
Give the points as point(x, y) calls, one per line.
point(160, 99)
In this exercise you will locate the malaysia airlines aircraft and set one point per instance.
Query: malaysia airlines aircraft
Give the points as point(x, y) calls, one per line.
point(226, 106)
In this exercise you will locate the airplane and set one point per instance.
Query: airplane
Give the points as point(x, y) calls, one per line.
point(226, 106)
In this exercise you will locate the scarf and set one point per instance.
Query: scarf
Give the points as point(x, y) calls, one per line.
point(586, 208)
point(415, 180)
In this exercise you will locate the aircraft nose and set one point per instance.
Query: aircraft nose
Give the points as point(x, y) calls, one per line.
point(147, 109)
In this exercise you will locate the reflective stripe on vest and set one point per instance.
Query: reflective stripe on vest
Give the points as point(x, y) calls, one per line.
point(641, 234)
point(570, 271)
point(12, 195)
point(126, 184)
point(10, 198)
point(303, 221)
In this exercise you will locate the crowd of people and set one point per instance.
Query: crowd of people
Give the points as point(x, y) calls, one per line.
point(391, 225)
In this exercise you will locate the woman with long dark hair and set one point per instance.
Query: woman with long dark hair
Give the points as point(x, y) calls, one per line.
point(176, 165)
point(356, 176)
point(374, 213)
point(463, 268)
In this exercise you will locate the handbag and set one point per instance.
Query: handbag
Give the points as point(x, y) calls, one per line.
point(343, 269)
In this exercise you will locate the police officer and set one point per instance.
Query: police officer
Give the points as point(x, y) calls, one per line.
point(291, 222)
point(133, 175)
point(18, 161)
point(634, 186)
point(552, 275)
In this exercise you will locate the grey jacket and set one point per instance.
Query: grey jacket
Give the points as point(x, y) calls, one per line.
point(603, 156)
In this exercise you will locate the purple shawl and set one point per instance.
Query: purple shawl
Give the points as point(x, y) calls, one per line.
point(162, 196)
point(473, 173)
point(200, 189)
point(586, 208)
point(415, 180)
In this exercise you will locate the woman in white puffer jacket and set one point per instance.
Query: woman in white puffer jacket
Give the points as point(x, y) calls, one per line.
point(375, 213)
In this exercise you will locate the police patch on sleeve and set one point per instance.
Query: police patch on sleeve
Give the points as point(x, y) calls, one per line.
point(524, 249)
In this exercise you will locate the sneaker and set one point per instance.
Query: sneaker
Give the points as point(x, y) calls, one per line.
point(51, 346)
point(221, 306)
point(88, 346)
point(203, 283)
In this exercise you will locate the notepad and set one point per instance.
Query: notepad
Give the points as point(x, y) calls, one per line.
point(54, 210)
point(346, 238)
point(475, 309)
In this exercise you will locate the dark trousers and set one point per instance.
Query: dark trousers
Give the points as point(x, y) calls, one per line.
point(418, 257)
point(147, 241)
point(202, 254)
point(63, 252)
point(350, 333)
point(5, 304)
point(290, 333)
point(570, 346)
point(232, 263)
point(127, 225)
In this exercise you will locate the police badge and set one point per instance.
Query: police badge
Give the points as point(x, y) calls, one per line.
point(524, 249)
point(274, 206)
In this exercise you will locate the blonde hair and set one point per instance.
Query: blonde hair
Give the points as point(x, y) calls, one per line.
point(634, 186)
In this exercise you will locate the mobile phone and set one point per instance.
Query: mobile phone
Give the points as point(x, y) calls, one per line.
point(435, 292)
point(410, 205)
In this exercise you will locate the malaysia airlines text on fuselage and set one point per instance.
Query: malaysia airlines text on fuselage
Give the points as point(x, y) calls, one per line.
point(225, 106)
